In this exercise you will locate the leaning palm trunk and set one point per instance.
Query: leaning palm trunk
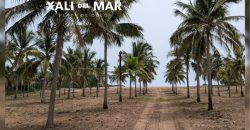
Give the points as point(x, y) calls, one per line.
point(105, 99)
point(56, 65)
point(198, 86)
point(210, 102)
point(241, 89)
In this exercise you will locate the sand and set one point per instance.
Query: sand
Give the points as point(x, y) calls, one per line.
point(159, 110)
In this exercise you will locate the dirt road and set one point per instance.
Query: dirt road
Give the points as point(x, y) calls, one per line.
point(160, 114)
point(160, 109)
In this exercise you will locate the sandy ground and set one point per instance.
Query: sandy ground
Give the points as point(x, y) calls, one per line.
point(159, 110)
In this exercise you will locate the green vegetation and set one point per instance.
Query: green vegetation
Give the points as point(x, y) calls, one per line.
point(205, 24)
point(36, 60)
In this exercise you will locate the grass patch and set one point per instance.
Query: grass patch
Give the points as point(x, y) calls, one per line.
point(151, 99)
point(145, 99)
point(161, 100)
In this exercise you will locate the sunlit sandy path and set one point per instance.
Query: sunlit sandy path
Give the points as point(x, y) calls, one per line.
point(156, 116)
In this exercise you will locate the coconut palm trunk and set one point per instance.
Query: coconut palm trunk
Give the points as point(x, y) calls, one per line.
point(23, 87)
point(140, 87)
point(28, 87)
point(73, 90)
point(120, 76)
point(143, 88)
point(83, 88)
point(59, 87)
point(241, 89)
point(130, 86)
point(70, 86)
point(218, 88)
point(44, 86)
point(97, 88)
point(173, 88)
point(209, 78)
point(59, 92)
point(56, 65)
point(176, 89)
point(64, 91)
point(17, 84)
point(205, 87)
point(105, 100)
point(198, 85)
point(90, 91)
point(117, 87)
point(187, 76)
point(135, 86)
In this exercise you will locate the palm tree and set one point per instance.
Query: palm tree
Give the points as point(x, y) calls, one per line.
point(132, 67)
point(68, 62)
point(217, 64)
point(143, 51)
point(210, 18)
point(238, 69)
point(99, 71)
point(175, 73)
point(197, 67)
point(140, 64)
point(228, 75)
point(86, 58)
point(31, 10)
point(19, 48)
point(116, 75)
point(46, 45)
point(112, 32)
point(187, 61)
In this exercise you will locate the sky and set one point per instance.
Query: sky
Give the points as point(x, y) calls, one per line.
point(159, 22)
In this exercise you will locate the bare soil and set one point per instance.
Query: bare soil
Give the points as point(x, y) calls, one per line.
point(159, 110)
